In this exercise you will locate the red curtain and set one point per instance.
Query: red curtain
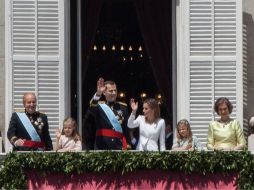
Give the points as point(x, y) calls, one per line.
point(90, 19)
point(90, 11)
point(154, 17)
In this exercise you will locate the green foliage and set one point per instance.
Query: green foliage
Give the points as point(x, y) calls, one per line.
point(12, 173)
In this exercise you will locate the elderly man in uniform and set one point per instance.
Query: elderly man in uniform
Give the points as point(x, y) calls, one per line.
point(105, 126)
point(29, 130)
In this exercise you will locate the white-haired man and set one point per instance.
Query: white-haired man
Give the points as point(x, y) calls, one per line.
point(29, 130)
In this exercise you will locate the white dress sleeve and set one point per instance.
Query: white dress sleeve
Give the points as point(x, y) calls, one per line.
point(197, 144)
point(132, 122)
point(77, 146)
point(162, 136)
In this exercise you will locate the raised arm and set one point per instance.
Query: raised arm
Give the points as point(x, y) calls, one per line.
point(132, 123)
point(100, 89)
point(58, 135)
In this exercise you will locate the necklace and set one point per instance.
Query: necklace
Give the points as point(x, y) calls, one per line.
point(224, 123)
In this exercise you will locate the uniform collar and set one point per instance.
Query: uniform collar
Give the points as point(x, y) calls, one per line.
point(110, 104)
point(33, 114)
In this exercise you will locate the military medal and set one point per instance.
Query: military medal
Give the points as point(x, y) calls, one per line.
point(119, 116)
point(31, 119)
point(119, 112)
point(40, 123)
point(40, 127)
point(39, 119)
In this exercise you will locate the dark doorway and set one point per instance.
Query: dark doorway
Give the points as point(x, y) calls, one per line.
point(127, 63)
point(118, 54)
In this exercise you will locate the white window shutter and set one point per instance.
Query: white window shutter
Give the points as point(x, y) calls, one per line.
point(210, 61)
point(246, 113)
point(37, 62)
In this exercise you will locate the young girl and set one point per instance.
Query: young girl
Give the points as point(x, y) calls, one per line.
point(151, 126)
point(185, 139)
point(69, 140)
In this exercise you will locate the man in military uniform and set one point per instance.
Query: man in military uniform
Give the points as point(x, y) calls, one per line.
point(29, 130)
point(105, 126)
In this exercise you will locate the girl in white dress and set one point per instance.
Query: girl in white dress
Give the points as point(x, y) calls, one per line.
point(151, 126)
point(69, 139)
point(185, 140)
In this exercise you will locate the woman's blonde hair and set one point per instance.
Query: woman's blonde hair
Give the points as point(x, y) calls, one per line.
point(187, 124)
point(153, 104)
point(71, 121)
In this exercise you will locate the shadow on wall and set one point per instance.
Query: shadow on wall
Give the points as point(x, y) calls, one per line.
point(248, 68)
point(1, 143)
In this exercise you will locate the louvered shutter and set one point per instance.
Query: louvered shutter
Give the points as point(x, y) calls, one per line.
point(246, 113)
point(36, 57)
point(212, 63)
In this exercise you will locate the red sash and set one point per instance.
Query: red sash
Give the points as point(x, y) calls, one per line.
point(113, 134)
point(34, 144)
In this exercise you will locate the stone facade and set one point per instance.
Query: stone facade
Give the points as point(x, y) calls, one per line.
point(2, 66)
point(248, 57)
point(248, 60)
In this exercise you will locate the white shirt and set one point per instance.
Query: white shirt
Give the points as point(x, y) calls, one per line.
point(69, 143)
point(149, 133)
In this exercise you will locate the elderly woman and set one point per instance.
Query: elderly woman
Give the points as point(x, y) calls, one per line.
point(151, 126)
point(225, 133)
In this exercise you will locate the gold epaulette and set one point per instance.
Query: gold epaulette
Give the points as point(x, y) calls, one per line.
point(39, 112)
point(95, 104)
point(122, 103)
point(19, 110)
point(23, 111)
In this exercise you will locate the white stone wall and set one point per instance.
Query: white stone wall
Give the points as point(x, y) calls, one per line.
point(248, 61)
point(2, 66)
point(248, 57)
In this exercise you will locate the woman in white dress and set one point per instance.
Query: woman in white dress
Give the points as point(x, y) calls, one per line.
point(151, 126)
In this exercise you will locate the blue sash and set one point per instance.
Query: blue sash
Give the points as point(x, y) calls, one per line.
point(29, 127)
point(112, 118)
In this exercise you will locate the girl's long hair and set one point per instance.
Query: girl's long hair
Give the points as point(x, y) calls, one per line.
point(187, 124)
point(75, 134)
